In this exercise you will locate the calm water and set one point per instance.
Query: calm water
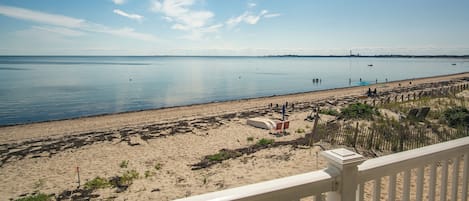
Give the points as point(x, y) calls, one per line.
point(48, 88)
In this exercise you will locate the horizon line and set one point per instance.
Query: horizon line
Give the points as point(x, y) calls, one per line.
point(279, 55)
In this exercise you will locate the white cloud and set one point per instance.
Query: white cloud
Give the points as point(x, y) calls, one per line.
point(36, 16)
point(198, 34)
point(180, 27)
point(168, 19)
point(68, 25)
point(130, 16)
point(179, 12)
point(272, 15)
point(60, 30)
point(249, 18)
point(118, 2)
point(252, 19)
point(130, 33)
point(251, 5)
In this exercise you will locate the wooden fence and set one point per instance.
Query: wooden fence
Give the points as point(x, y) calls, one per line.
point(415, 95)
point(387, 138)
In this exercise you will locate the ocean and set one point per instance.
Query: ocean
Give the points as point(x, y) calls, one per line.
point(44, 88)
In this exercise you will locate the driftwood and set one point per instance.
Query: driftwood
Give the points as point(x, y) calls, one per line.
point(226, 154)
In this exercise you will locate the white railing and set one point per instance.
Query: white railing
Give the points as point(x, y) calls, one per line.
point(419, 174)
point(423, 162)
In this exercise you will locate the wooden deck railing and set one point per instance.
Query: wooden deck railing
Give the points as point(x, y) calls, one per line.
point(348, 175)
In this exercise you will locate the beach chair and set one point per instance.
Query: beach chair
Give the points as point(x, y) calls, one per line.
point(281, 126)
point(286, 125)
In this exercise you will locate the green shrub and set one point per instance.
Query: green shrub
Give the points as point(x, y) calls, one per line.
point(457, 117)
point(250, 139)
point(37, 197)
point(158, 166)
point(148, 173)
point(128, 177)
point(330, 112)
point(223, 155)
point(39, 183)
point(300, 130)
point(97, 183)
point(359, 111)
point(124, 164)
point(264, 141)
point(220, 156)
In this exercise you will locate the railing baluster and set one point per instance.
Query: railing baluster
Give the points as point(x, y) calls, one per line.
point(419, 183)
point(464, 177)
point(431, 193)
point(377, 189)
point(454, 186)
point(392, 187)
point(361, 192)
point(318, 197)
point(406, 187)
point(444, 180)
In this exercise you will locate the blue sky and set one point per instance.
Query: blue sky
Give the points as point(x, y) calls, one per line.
point(233, 27)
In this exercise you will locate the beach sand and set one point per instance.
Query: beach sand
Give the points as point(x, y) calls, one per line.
point(183, 137)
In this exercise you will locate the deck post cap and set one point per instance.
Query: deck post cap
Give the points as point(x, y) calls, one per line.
point(342, 157)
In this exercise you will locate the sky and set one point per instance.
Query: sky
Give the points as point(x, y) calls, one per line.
point(233, 27)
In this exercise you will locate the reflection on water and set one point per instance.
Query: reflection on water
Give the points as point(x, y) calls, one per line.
point(47, 88)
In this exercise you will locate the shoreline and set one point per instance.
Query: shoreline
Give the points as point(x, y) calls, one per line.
point(168, 114)
point(228, 101)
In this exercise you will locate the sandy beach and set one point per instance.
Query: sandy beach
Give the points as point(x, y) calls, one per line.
point(162, 144)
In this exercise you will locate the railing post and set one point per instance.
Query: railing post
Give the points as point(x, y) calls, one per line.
point(345, 162)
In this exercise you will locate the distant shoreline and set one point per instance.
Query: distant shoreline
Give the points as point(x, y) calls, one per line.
point(376, 56)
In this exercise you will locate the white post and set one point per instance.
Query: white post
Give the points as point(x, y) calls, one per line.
point(345, 162)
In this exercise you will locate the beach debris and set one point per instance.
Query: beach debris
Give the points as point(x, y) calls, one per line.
point(332, 102)
point(311, 115)
point(77, 194)
point(226, 154)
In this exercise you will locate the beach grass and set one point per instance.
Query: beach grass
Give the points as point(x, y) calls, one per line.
point(37, 197)
point(264, 141)
point(97, 183)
